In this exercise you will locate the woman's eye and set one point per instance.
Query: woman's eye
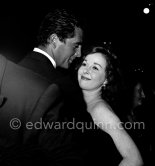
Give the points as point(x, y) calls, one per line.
point(83, 64)
point(95, 68)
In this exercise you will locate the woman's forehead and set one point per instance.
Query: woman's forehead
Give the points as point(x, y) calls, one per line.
point(96, 57)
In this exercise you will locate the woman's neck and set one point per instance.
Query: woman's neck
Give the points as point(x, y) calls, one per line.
point(91, 97)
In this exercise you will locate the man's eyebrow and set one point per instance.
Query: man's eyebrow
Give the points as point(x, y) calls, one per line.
point(97, 64)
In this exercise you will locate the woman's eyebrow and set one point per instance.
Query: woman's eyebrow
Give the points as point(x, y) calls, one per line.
point(97, 64)
point(85, 60)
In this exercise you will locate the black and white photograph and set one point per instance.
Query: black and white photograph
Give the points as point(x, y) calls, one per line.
point(77, 83)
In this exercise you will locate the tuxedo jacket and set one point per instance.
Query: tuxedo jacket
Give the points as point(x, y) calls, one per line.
point(25, 100)
point(71, 93)
point(40, 64)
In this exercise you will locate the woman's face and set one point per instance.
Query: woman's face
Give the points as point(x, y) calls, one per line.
point(139, 95)
point(91, 74)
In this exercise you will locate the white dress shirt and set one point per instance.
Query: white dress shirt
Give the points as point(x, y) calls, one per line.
point(45, 53)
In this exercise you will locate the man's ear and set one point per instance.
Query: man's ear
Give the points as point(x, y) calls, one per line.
point(53, 40)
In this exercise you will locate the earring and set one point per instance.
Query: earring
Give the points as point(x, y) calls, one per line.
point(104, 84)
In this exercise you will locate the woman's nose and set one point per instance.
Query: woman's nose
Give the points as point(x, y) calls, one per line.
point(86, 70)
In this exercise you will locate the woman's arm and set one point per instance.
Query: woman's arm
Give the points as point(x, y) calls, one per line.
point(111, 124)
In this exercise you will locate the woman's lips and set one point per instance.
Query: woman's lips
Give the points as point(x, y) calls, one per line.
point(85, 78)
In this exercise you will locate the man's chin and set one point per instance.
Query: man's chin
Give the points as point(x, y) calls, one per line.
point(66, 65)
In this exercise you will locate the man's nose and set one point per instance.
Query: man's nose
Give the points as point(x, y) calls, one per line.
point(78, 52)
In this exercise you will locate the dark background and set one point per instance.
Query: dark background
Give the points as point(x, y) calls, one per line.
point(123, 23)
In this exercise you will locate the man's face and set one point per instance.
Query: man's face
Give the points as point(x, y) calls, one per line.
point(67, 51)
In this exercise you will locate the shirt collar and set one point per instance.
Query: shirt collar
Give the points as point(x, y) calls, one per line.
point(47, 55)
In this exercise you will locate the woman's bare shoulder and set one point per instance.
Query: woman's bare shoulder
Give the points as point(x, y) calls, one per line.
point(103, 113)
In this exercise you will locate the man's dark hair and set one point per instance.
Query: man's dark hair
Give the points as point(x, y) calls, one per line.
point(60, 22)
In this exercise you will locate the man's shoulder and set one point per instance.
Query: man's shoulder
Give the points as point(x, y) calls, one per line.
point(21, 84)
point(22, 79)
point(26, 74)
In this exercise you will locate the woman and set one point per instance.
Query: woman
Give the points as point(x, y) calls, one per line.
point(139, 100)
point(95, 74)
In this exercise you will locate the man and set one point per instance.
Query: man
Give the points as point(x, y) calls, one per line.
point(59, 43)
point(25, 99)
